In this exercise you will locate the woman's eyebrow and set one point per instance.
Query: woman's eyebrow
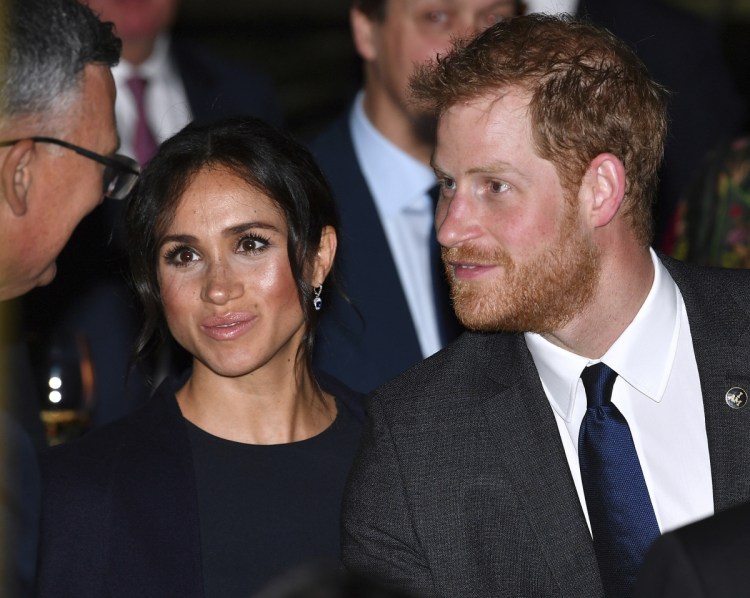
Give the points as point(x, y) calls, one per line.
point(227, 232)
point(242, 227)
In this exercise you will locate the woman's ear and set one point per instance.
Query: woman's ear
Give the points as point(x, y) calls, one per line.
point(604, 184)
point(324, 257)
point(15, 176)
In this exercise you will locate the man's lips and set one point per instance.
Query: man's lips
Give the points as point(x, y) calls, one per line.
point(470, 271)
point(229, 326)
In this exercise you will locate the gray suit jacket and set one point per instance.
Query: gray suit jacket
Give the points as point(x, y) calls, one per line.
point(461, 486)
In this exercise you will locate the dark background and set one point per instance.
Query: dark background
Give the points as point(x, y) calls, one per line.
point(303, 45)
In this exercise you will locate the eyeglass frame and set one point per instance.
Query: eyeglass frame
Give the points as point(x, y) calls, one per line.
point(120, 162)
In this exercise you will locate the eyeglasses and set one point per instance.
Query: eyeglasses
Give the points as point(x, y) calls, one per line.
point(120, 172)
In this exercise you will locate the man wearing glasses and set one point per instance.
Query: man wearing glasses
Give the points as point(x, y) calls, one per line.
point(57, 163)
point(57, 134)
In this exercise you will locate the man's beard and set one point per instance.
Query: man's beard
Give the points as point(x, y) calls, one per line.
point(540, 295)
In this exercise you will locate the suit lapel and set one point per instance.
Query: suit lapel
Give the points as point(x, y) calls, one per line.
point(362, 234)
point(720, 329)
point(522, 428)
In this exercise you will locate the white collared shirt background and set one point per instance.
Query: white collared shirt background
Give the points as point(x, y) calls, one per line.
point(552, 6)
point(166, 101)
point(399, 184)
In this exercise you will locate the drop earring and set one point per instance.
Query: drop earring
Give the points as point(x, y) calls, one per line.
point(317, 301)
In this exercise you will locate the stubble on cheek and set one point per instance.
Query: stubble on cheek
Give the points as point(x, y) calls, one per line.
point(541, 294)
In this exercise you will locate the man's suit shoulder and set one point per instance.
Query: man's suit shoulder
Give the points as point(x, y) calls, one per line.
point(330, 139)
point(712, 292)
point(703, 276)
point(471, 369)
point(333, 148)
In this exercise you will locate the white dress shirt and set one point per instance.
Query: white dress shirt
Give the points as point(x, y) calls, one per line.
point(658, 392)
point(399, 185)
point(166, 102)
point(552, 6)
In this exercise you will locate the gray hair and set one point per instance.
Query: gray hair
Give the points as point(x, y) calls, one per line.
point(44, 47)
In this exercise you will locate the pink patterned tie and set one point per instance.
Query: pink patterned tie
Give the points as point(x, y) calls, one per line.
point(144, 142)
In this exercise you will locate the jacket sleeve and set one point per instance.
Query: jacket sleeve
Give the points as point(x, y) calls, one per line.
point(379, 538)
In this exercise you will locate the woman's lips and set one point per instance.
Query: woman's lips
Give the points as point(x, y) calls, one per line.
point(227, 327)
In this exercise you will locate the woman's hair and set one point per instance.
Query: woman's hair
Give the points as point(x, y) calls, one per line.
point(268, 160)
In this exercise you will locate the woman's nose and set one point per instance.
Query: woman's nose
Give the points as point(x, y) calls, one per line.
point(221, 285)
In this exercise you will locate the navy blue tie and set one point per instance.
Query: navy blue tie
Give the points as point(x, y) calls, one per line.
point(622, 518)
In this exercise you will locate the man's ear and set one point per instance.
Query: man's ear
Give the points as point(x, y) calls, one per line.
point(15, 176)
point(604, 183)
point(363, 32)
point(325, 255)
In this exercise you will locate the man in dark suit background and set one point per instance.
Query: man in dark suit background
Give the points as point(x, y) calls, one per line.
point(707, 559)
point(598, 399)
point(181, 81)
point(376, 157)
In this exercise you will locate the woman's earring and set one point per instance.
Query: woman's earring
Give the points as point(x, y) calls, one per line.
point(317, 301)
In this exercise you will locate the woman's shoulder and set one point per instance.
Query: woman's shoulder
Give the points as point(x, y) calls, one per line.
point(100, 446)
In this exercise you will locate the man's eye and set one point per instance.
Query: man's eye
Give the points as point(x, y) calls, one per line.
point(490, 19)
point(498, 186)
point(448, 184)
point(438, 17)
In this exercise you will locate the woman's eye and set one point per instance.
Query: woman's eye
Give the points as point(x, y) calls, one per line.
point(181, 256)
point(252, 244)
point(498, 186)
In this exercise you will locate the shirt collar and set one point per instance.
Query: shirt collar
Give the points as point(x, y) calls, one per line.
point(152, 68)
point(643, 355)
point(396, 180)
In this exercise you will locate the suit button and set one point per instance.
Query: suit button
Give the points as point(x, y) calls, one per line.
point(736, 397)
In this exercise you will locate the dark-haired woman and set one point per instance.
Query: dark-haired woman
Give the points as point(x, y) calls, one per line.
point(233, 472)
